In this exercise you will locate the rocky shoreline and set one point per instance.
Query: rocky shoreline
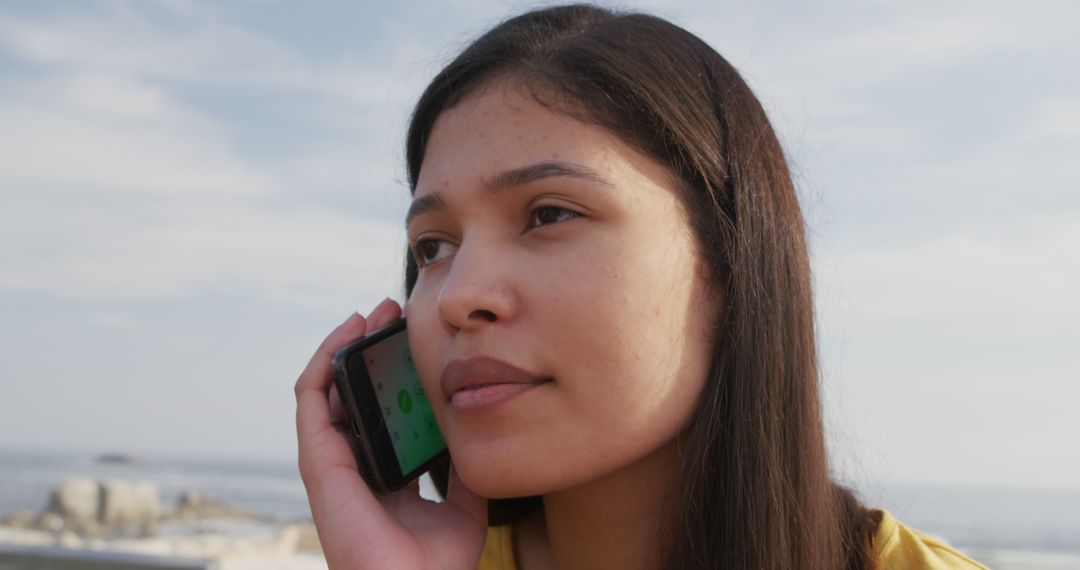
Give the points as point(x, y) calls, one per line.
point(123, 516)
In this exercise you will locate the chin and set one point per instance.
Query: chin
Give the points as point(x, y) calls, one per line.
point(503, 482)
point(501, 477)
point(505, 476)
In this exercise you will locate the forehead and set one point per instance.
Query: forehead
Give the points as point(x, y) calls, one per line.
point(502, 127)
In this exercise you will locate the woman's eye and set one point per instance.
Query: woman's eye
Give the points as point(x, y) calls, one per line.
point(545, 215)
point(430, 250)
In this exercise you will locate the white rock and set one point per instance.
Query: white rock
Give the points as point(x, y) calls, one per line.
point(51, 521)
point(69, 539)
point(75, 500)
point(129, 503)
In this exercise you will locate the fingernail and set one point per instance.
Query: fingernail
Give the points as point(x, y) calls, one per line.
point(351, 318)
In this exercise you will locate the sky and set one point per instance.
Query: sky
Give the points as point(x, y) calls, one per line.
point(193, 194)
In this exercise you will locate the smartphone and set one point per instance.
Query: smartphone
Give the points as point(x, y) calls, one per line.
point(396, 438)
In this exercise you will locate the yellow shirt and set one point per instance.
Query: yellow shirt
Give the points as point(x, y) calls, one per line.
point(900, 546)
point(896, 547)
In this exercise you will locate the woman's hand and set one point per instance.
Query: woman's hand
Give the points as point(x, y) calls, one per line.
point(357, 528)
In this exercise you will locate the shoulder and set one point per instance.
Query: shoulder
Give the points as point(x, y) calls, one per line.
point(898, 546)
point(498, 549)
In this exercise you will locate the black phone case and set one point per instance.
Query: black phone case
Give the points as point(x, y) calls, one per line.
point(363, 447)
point(360, 444)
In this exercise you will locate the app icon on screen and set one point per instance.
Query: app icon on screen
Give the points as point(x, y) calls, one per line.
point(404, 401)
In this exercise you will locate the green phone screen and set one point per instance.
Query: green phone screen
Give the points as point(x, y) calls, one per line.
point(410, 421)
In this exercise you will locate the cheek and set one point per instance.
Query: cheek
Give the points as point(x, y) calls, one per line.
point(631, 304)
point(632, 343)
point(638, 370)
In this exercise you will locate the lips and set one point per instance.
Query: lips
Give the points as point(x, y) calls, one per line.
point(477, 372)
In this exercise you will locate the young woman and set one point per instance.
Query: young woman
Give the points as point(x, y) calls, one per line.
point(605, 232)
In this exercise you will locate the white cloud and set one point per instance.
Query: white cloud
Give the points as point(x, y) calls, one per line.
point(948, 360)
point(92, 140)
point(195, 45)
point(123, 40)
point(1023, 270)
point(104, 319)
point(114, 190)
point(1055, 119)
point(93, 252)
point(117, 187)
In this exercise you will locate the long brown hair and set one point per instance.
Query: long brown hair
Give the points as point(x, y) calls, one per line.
point(757, 492)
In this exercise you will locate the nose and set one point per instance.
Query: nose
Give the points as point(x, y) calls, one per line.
point(478, 289)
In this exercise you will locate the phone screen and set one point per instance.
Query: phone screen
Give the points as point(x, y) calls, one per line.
point(410, 422)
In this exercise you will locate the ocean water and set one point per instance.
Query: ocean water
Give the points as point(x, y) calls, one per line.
point(1045, 520)
point(1006, 529)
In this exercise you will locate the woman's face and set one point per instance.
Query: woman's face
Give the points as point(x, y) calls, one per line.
point(559, 274)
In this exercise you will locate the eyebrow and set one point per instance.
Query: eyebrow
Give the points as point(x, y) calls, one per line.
point(511, 178)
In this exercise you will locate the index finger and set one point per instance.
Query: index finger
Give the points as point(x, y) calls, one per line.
point(313, 386)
